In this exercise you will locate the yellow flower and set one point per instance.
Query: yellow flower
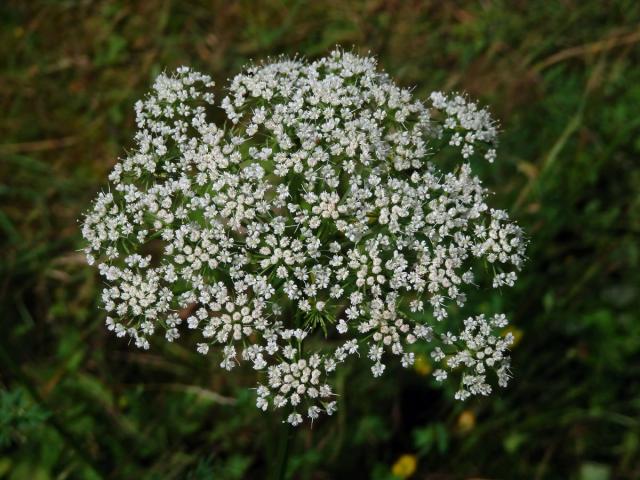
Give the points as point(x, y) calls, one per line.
point(466, 421)
point(405, 466)
point(516, 332)
point(422, 365)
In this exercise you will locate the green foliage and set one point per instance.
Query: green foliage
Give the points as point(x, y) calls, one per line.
point(564, 80)
point(432, 437)
point(18, 417)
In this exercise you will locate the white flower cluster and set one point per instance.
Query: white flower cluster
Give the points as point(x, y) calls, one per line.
point(318, 216)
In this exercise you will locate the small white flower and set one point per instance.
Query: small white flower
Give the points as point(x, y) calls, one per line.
point(342, 326)
point(294, 419)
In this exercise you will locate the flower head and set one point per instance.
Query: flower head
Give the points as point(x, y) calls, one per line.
point(405, 466)
point(320, 215)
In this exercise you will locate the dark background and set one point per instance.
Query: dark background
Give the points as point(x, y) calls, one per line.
point(563, 78)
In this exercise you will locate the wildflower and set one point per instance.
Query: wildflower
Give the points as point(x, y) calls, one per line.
point(320, 209)
point(422, 365)
point(466, 421)
point(405, 466)
point(516, 333)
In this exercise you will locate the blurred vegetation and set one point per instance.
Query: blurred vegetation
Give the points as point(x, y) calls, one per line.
point(563, 77)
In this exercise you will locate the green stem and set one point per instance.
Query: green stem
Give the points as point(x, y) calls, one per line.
point(285, 435)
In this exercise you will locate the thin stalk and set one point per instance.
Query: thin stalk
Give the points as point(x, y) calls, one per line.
point(285, 434)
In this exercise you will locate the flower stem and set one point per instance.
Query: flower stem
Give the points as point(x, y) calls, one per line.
point(284, 437)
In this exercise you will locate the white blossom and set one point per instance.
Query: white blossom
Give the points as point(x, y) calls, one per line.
point(322, 202)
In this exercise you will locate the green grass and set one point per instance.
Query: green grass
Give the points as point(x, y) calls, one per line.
point(564, 80)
